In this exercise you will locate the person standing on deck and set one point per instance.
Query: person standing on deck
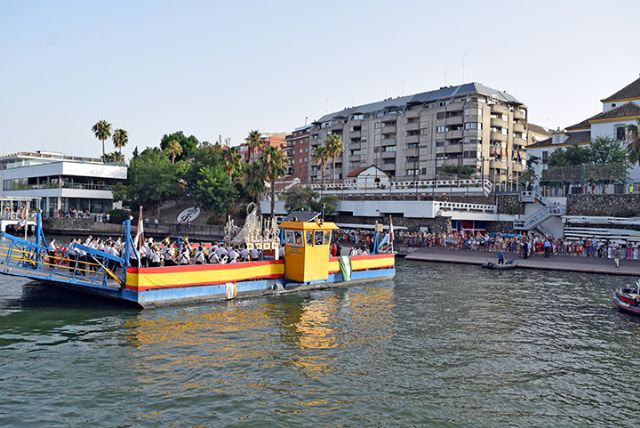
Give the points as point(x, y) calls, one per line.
point(51, 251)
point(185, 258)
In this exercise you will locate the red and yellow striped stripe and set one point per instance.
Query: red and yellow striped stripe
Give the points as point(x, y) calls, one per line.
point(141, 279)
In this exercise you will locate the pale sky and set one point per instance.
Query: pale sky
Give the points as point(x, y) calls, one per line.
point(223, 68)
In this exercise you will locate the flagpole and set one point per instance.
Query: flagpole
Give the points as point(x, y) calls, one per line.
point(26, 220)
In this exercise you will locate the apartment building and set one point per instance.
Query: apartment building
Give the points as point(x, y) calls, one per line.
point(422, 136)
point(297, 148)
point(276, 139)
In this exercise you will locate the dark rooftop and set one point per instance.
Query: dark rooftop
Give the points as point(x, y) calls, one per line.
point(632, 90)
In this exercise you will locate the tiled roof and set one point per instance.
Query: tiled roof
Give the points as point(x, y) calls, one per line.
point(357, 171)
point(582, 125)
point(580, 137)
point(624, 110)
point(632, 90)
point(424, 97)
point(538, 129)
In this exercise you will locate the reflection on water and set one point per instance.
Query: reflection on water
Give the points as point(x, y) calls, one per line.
point(439, 345)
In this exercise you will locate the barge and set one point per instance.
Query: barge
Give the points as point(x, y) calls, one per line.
point(306, 265)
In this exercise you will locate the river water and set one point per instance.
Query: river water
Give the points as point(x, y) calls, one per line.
point(441, 345)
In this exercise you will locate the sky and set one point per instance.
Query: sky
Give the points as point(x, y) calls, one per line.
point(213, 68)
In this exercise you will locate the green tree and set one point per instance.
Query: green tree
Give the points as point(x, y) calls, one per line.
point(189, 144)
point(120, 139)
point(214, 190)
point(321, 158)
point(254, 141)
point(328, 203)
point(102, 131)
point(633, 143)
point(572, 155)
point(254, 180)
point(173, 150)
point(334, 149)
point(151, 179)
point(299, 198)
point(233, 162)
point(606, 150)
point(275, 164)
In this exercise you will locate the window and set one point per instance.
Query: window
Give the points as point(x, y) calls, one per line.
point(377, 137)
point(473, 125)
point(377, 125)
point(424, 131)
point(318, 237)
point(441, 129)
point(309, 240)
point(439, 143)
point(327, 237)
point(357, 117)
point(545, 157)
point(389, 149)
point(441, 115)
point(412, 146)
point(620, 133)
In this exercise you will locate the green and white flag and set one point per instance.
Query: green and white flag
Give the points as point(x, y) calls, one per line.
point(345, 267)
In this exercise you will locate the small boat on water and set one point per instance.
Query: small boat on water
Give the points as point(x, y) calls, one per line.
point(507, 265)
point(627, 299)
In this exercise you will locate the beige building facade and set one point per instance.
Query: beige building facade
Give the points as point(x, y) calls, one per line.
point(470, 128)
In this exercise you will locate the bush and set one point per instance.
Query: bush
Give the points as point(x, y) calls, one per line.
point(118, 215)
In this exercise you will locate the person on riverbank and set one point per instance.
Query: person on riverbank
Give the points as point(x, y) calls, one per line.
point(616, 255)
point(547, 247)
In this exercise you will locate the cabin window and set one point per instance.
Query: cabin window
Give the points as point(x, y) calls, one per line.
point(309, 236)
point(327, 238)
point(298, 238)
point(318, 236)
point(288, 237)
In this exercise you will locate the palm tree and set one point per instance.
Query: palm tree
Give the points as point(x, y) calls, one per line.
point(173, 150)
point(102, 131)
point(120, 139)
point(254, 178)
point(275, 164)
point(334, 149)
point(254, 141)
point(232, 162)
point(321, 157)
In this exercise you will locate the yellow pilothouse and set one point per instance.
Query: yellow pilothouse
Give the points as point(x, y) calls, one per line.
point(307, 241)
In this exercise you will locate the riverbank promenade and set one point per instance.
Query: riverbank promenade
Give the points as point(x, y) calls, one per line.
point(561, 263)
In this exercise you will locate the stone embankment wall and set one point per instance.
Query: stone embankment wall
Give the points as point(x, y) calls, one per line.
point(604, 205)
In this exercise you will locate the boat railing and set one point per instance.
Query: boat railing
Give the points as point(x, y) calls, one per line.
point(28, 259)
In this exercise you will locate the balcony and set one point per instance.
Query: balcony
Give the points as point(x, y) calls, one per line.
point(454, 135)
point(388, 155)
point(355, 158)
point(355, 146)
point(500, 109)
point(453, 148)
point(409, 153)
point(414, 126)
point(389, 129)
point(519, 114)
point(454, 120)
point(391, 141)
point(497, 164)
point(518, 127)
point(498, 136)
point(497, 122)
point(412, 139)
point(519, 141)
point(355, 134)
point(518, 167)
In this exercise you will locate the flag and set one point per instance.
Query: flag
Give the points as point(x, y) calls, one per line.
point(391, 233)
point(139, 239)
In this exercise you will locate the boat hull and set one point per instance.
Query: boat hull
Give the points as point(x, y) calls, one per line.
point(162, 286)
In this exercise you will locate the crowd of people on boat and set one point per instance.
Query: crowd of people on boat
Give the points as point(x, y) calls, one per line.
point(525, 245)
point(151, 253)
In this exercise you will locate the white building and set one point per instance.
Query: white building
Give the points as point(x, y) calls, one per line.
point(59, 182)
point(619, 111)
